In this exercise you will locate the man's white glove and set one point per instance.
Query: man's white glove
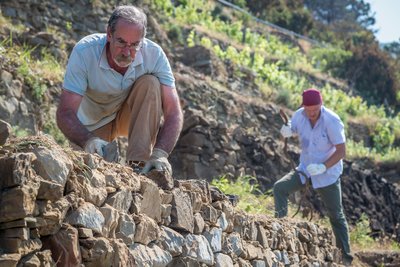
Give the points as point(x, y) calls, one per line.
point(158, 160)
point(315, 169)
point(95, 145)
point(286, 130)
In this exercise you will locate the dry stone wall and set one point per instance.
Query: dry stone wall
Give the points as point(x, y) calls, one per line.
point(70, 208)
point(228, 130)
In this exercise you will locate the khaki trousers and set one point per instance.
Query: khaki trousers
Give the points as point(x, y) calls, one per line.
point(139, 119)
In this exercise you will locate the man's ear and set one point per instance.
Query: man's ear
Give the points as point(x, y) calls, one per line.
point(109, 35)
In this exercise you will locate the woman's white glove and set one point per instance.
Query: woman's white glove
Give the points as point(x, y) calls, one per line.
point(158, 160)
point(316, 168)
point(286, 130)
point(95, 145)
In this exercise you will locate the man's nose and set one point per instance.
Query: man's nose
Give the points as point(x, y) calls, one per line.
point(126, 51)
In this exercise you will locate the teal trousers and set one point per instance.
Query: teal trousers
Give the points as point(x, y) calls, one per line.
point(331, 197)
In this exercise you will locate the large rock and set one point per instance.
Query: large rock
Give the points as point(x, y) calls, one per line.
point(53, 214)
point(147, 229)
point(64, 246)
point(151, 202)
point(151, 255)
point(5, 131)
point(89, 185)
point(16, 169)
point(126, 229)
point(88, 216)
point(171, 241)
point(52, 164)
point(18, 202)
point(182, 212)
point(197, 247)
point(120, 200)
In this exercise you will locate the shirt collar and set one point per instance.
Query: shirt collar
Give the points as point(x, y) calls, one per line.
point(320, 116)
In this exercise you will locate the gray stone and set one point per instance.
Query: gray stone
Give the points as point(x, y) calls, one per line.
point(120, 200)
point(21, 233)
point(52, 164)
point(111, 217)
point(97, 252)
point(18, 202)
point(182, 212)
point(126, 229)
point(171, 241)
point(197, 247)
point(223, 260)
point(87, 216)
point(214, 237)
point(16, 170)
point(150, 256)
point(50, 191)
point(198, 224)
point(147, 229)
point(232, 244)
point(151, 202)
point(50, 220)
point(5, 131)
point(64, 246)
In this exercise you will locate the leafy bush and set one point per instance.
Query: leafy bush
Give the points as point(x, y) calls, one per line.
point(175, 33)
point(383, 137)
point(329, 59)
point(371, 71)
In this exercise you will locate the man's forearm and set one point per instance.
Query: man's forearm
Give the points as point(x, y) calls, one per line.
point(72, 128)
point(169, 133)
point(339, 154)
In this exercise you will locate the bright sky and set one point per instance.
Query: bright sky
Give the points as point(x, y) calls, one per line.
point(387, 19)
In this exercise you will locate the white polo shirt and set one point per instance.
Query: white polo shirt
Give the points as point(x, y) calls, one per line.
point(104, 89)
point(318, 144)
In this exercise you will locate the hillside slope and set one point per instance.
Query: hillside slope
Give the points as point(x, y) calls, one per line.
point(229, 128)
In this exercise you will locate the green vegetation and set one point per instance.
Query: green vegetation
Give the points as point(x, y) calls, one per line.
point(14, 27)
point(360, 237)
point(39, 70)
point(36, 71)
point(251, 199)
point(20, 132)
point(50, 127)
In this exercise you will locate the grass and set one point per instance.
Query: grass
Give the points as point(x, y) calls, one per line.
point(251, 199)
point(360, 238)
point(357, 150)
point(20, 132)
point(39, 69)
point(52, 129)
point(13, 27)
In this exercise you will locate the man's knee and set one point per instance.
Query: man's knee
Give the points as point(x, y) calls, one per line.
point(148, 81)
point(278, 188)
point(337, 217)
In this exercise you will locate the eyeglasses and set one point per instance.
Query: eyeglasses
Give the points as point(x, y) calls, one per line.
point(122, 44)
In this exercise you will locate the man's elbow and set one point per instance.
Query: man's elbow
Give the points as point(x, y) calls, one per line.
point(343, 151)
point(179, 119)
point(62, 117)
point(58, 117)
